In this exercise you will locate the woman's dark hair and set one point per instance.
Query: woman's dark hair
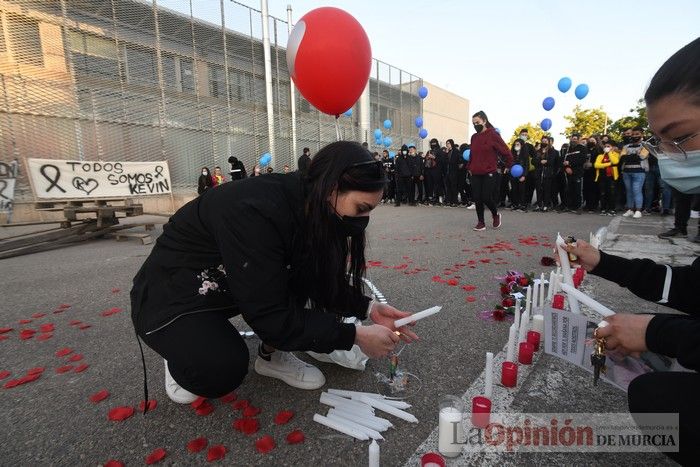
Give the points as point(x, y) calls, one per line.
point(207, 169)
point(343, 166)
point(482, 115)
point(679, 74)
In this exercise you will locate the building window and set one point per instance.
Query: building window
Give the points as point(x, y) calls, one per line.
point(94, 56)
point(25, 39)
point(241, 85)
point(186, 75)
point(217, 82)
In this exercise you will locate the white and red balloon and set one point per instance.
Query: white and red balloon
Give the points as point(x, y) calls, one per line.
point(329, 58)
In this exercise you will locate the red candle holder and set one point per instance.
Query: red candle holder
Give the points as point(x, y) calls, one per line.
point(558, 301)
point(525, 353)
point(481, 411)
point(432, 458)
point(509, 374)
point(533, 337)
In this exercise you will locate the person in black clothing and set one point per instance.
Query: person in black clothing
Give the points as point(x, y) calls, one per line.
point(559, 180)
point(454, 160)
point(530, 178)
point(590, 187)
point(263, 248)
point(572, 166)
point(304, 161)
point(204, 182)
point(545, 161)
point(418, 178)
point(405, 189)
point(434, 166)
point(237, 169)
point(673, 109)
point(464, 186)
point(518, 193)
point(390, 170)
point(440, 180)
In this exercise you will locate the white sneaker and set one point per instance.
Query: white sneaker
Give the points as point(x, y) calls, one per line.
point(628, 213)
point(471, 206)
point(175, 392)
point(637, 214)
point(291, 370)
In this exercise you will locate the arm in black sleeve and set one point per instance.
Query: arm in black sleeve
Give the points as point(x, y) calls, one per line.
point(671, 286)
point(253, 251)
point(676, 337)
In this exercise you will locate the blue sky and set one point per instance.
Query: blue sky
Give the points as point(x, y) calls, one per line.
point(505, 56)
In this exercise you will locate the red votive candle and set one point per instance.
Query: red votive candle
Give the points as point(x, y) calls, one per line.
point(533, 337)
point(558, 302)
point(432, 458)
point(509, 374)
point(525, 354)
point(481, 411)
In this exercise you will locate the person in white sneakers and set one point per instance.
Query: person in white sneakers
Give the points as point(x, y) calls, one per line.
point(633, 159)
point(262, 248)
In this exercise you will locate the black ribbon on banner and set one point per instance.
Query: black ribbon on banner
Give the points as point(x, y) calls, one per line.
point(56, 176)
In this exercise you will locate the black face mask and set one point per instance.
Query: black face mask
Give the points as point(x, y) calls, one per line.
point(636, 139)
point(350, 226)
point(478, 128)
point(544, 145)
point(626, 139)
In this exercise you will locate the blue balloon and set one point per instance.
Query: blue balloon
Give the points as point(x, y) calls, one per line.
point(387, 124)
point(423, 133)
point(516, 171)
point(546, 124)
point(391, 154)
point(348, 113)
point(564, 84)
point(498, 130)
point(265, 159)
point(422, 92)
point(466, 154)
point(387, 141)
point(377, 133)
point(581, 91)
point(419, 122)
point(548, 103)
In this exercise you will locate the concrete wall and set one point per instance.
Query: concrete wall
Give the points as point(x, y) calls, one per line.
point(445, 115)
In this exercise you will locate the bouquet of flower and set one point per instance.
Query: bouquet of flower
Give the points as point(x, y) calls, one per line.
point(512, 283)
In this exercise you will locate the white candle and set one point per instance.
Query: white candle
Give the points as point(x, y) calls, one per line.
point(541, 301)
point(374, 454)
point(397, 404)
point(538, 324)
point(355, 426)
point(369, 423)
point(380, 405)
point(528, 298)
point(488, 376)
point(575, 294)
point(450, 418)
point(512, 337)
point(524, 324)
point(535, 297)
point(341, 427)
point(336, 401)
point(550, 288)
point(566, 271)
point(558, 270)
point(346, 393)
point(416, 316)
point(517, 313)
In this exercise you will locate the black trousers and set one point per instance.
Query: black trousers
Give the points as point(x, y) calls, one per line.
point(681, 212)
point(505, 189)
point(573, 192)
point(405, 189)
point(519, 193)
point(434, 177)
point(452, 186)
point(497, 188)
point(206, 355)
point(590, 190)
point(530, 185)
point(483, 188)
point(559, 188)
point(606, 185)
point(464, 188)
point(671, 392)
point(544, 186)
point(420, 187)
point(390, 190)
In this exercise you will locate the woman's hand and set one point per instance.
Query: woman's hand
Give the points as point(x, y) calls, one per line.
point(376, 340)
point(385, 315)
point(588, 256)
point(626, 332)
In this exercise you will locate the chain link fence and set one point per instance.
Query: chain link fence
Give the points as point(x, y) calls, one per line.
point(175, 80)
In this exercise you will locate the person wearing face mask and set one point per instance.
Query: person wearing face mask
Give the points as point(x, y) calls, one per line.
point(417, 177)
point(606, 174)
point(434, 166)
point(590, 187)
point(673, 110)
point(237, 171)
point(519, 189)
point(486, 147)
point(632, 159)
point(464, 186)
point(626, 138)
point(572, 167)
point(265, 248)
point(204, 182)
point(530, 179)
point(545, 163)
point(454, 160)
point(389, 168)
point(405, 188)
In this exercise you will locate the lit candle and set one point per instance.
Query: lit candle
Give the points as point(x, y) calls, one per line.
point(575, 294)
point(380, 405)
point(341, 427)
point(541, 301)
point(355, 426)
point(374, 454)
point(566, 272)
point(481, 411)
point(416, 316)
point(524, 326)
point(509, 374)
point(488, 377)
point(533, 337)
point(512, 337)
point(550, 288)
point(538, 324)
point(525, 354)
point(528, 298)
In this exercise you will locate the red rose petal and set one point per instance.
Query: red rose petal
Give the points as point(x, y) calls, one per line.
point(25, 321)
point(84, 326)
point(471, 299)
point(216, 452)
point(485, 260)
point(64, 369)
point(63, 352)
point(295, 437)
point(156, 456)
point(38, 315)
point(152, 403)
point(469, 288)
point(283, 417)
point(198, 401)
point(75, 322)
point(4, 374)
point(76, 357)
point(113, 463)
point(29, 378)
point(3, 337)
point(251, 411)
point(25, 334)
point(4, 330)
point(247, 426)
point(230, 397)
point(119, 414)
point(37, 370)
point(99, 396)
point(12, 383)
point(265, 444)
point(115, 290)
point(197, 444)
point(452, 282)
point(81, 368)
point(204, 409)
point(241, 404)
point(44, 337)
point(64, 306)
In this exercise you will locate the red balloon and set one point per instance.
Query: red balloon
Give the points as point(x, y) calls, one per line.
point(329, 58)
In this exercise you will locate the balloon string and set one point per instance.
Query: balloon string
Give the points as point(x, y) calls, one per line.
point(337, 129)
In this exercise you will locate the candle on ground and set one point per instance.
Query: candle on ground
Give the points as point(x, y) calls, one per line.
point(525, 354)
point(538, 324)
point(535, 295)
point(509, 374)
point(516, 313)
point(488, 377)
point(512, 337)
point(341, 427)
point(540, 304)
point(533, 337)
point(528, 298)
point(524, 327)
point(449, 427)
point(374, 454)
point(575, 294)
point(481, 411)
point(432, 459)
point(550, 287)
point(566, 272)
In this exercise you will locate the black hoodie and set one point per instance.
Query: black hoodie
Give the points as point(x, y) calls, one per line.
point(237, 169)
point(404, 163)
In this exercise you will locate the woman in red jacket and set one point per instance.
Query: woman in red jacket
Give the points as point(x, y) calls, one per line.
point(486, 148)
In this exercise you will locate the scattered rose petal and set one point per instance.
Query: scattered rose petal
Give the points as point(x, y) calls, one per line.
point(156, 456)
point(469, 288)
point(12, 383)
point(198, 401)
point(44, 337)
point(63, 306)
point(471, 299)
point(119, 414)
point(485, 260)
point(25, 334)
point(197, 444)
point(99, 396)
point(76, 357)
point(247, 426)
point(228, 398)
point(4, 330)
point(152, 403)
point(64, 369)
point(216, 452)
point(84, 326)
point(75, 322)
point(251, 411)
point(241, 404)
point(38, 315)
point(63, 352)
point(29, 378)
point(81, 368)
point(113, 463)
point(3, 337)
point(204, 409)
point(283, 417)
point(25, 321)
point(295, 437)
point(115, 290)
point(453, 282)
point(37, 370)
point(265, 444)
point(4, 374)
